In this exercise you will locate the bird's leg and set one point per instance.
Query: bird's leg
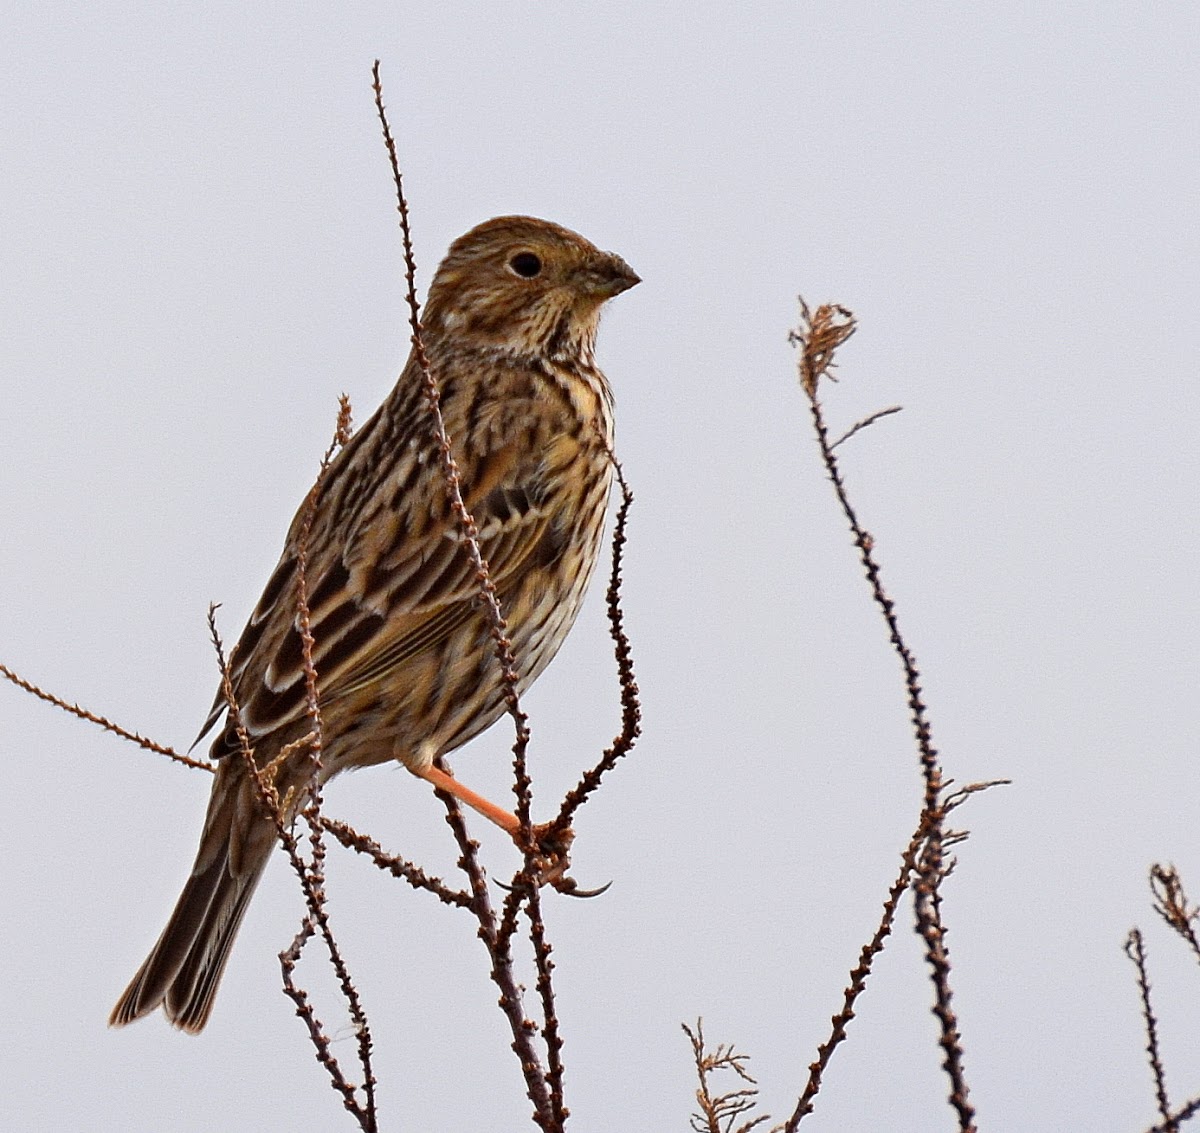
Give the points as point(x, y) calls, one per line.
point(507, 821)
point(552, 859)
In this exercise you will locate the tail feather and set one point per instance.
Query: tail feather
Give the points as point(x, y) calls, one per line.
point(189, 999)
point(184, 968)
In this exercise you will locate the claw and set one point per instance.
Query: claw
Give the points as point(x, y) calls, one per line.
point(552, 861)
point(569, 887)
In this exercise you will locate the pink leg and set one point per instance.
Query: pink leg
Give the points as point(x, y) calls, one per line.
point(443, 782)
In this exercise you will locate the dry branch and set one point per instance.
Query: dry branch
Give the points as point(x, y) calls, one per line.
point(631, 709)
point(858, 977)
point(390, 863)
point(718, 1111)
point(315, 917)
point(1135, 949)
point(1171, 903)
point(104, 722)
point(821, 333)
point(544, 1084)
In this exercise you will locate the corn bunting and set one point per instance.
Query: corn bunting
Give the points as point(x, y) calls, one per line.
point(405, 666)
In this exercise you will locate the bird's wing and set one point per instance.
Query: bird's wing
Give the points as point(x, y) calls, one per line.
point(397, 585)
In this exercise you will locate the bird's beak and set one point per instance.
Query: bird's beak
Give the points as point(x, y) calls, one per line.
point(609, 275)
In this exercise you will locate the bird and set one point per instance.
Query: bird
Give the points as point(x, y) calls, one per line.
point(406, 669)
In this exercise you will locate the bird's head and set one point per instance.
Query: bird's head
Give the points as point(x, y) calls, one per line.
point(526, 286)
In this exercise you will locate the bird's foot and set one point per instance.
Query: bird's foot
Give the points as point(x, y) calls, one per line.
point(552, 861)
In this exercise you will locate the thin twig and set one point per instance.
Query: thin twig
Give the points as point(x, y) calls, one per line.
point(498, 945)
point(502, 971)
point(821, 334)
point(1171, 903)
point(1135, 949)
point(269, 799)
point(315, 889)
point(718, 1112)
point(858, 976)
point(932, 869)
point(631, 710)
point(316, 745)
point(105, 723)
point(433, 399)
point(316, 1033)
point(825, 330)
point(398, 867)
point(466, 521)
point(858, 426)
point(952, 800)
point(1176, 1119)
point(551, 1034)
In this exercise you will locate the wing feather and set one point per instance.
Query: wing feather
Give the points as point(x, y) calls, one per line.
point(370, 612)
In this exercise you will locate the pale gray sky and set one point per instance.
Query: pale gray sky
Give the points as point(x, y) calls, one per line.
point(200, 253)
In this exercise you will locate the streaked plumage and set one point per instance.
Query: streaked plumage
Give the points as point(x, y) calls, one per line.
point(406, 669)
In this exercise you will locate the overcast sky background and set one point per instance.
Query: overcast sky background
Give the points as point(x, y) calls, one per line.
point(200, 253)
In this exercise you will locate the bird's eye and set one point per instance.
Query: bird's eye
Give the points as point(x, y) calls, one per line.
point(526, 264)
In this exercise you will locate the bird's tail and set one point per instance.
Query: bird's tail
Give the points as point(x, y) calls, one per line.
point(183, 969)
